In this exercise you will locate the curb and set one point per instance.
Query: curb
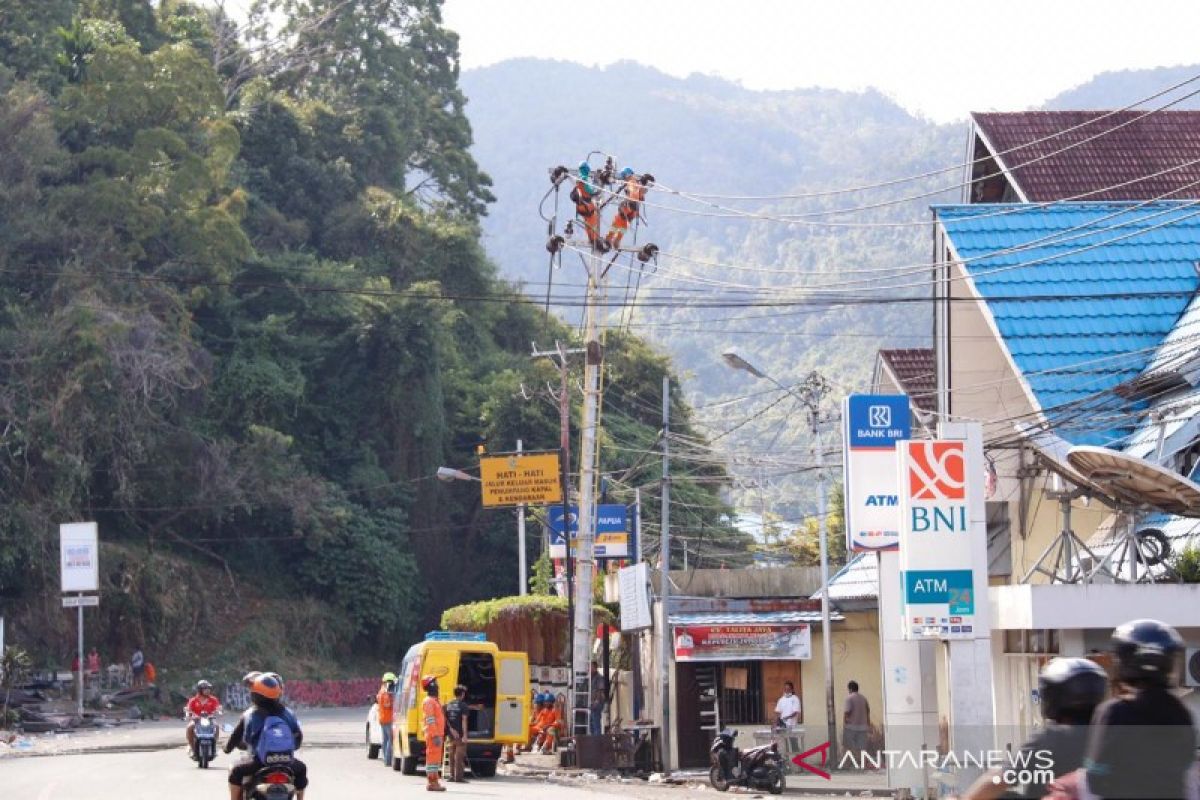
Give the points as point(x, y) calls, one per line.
point(816, 791)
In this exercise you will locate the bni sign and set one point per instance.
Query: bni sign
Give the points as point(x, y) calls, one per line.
point(936, 549)
point(872, 426)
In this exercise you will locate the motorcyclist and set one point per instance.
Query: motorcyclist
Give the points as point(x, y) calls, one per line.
point(266, 697)
point(202, 702)
point(1143, 743)
point(1070, 690)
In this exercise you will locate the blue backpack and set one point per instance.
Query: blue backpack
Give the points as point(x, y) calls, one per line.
point(276, 742)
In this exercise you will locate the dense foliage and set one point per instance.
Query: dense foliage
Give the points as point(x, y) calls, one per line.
point(245, 315)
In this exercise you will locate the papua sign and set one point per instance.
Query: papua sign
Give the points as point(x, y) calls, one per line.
point(520, 478)
point(768, 642)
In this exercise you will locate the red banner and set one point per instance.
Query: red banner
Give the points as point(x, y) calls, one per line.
point(782, 642)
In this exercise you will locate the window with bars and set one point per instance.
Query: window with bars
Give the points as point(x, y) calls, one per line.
point(741, 693)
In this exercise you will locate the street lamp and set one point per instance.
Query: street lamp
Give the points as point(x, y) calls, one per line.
point(449, 474)
point(809, 394)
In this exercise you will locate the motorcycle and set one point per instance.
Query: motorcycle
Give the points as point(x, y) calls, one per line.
point(206, 740)
point(272, 782)
point(759, 768)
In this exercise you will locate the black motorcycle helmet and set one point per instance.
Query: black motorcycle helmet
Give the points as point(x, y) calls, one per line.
point(1148, 653)
point(1071, 688)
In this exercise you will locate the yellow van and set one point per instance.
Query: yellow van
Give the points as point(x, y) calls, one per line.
point(497, 692)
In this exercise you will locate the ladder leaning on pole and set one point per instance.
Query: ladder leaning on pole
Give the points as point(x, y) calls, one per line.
point(581, 714)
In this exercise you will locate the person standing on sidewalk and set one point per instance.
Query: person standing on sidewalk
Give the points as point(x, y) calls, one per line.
point(386, 700)
point(434, 724)
point(856, 717)
point(598, 700)
point(457, 716)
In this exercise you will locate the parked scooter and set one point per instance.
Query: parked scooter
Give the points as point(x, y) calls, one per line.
point(206, 740)
point(759, 768)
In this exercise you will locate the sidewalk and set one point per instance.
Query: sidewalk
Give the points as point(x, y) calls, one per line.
point(841, 784)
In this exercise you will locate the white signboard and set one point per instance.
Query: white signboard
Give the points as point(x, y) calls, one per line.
point(872, 425)
point(635, 597)
point(81, 600)
point(939, 585)
point(79, 548)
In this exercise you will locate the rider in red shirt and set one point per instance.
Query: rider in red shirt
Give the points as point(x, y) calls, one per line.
point(202, 702)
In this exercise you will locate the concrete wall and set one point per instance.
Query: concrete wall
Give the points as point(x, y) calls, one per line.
point(855, 654)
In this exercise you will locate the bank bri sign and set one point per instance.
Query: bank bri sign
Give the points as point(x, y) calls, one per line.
point(937, 547)
point(872, 426)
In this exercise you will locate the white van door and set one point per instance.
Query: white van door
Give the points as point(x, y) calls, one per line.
point(512, 698)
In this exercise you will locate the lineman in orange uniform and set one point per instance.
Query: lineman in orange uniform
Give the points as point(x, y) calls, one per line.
point(631, 206)
point(434, 721)
point(584, 197)
point(549, 726)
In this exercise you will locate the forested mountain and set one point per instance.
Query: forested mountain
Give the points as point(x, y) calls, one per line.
point(1121, 87)
point(706, 135)
point(245, 316)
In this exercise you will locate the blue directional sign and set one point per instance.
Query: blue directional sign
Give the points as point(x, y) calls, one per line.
point(610, 518)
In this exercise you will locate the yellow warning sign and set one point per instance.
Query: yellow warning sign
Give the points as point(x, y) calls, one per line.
point(529, 478)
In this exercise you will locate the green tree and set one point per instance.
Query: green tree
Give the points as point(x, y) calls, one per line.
point(804, 544)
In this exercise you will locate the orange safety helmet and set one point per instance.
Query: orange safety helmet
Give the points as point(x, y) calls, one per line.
point(267, 686)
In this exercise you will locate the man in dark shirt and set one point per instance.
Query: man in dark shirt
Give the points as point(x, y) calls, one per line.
point(1143, 742)
point(457, 718)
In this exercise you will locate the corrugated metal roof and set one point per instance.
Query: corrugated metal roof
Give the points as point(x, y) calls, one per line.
point(858, 580)
point(916, 369)
point(752, 618)
point(1102, 153)
point(1181, 532)
point(1085, 302)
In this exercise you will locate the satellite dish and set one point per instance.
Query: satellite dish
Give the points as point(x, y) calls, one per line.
point(1135, 481)
point(1053, 449)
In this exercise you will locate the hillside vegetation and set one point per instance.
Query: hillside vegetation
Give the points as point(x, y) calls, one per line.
point(246, 316)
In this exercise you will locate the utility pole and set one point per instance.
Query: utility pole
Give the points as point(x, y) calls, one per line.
point(811, 393)
point(588, 185)
point(666, 640)
point(588, 476)
point(522, 566)
point(559, 354)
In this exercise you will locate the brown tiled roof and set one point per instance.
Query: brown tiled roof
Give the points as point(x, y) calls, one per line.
point(1122, 152)
point(917, 372)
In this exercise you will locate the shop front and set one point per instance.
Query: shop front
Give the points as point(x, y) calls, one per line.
point(730, 670)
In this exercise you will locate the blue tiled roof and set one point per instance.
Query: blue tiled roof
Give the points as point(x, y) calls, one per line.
point(1086, 301)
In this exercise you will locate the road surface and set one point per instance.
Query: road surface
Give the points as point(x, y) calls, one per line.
point(149, 762)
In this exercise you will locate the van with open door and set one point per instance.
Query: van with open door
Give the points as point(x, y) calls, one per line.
point(498, 694)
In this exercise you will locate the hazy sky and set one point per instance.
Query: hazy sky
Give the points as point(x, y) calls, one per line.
point(942, 58)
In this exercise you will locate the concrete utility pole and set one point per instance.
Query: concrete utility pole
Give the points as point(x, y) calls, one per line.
point(522, 566)
point(810, 394)
point(559, 354)
point(666, 640)
point(588, 477)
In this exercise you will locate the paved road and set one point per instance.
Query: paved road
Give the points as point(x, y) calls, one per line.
point(149, 761)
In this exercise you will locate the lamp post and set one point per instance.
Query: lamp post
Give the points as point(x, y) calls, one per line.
point(809, 394)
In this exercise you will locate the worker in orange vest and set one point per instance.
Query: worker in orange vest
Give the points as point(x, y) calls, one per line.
point(386, 699)
point(434, 720)
point(631, 206)
point(584, 197)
